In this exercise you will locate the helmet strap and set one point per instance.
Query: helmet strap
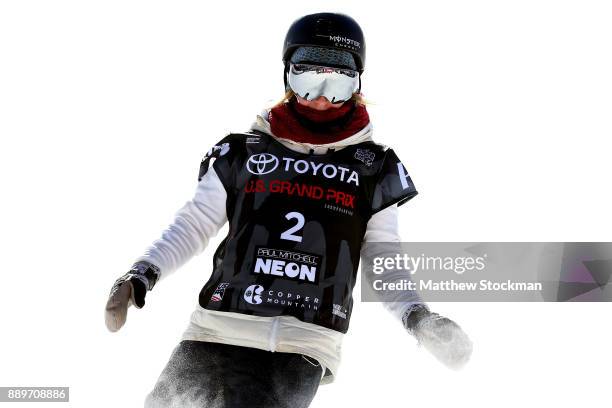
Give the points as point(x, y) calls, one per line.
point(286, 76)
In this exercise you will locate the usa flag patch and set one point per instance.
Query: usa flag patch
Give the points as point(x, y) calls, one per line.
point(219, 292)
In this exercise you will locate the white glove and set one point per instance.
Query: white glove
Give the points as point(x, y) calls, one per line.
point(440, 336)
point(115, 313)
point(130, 289)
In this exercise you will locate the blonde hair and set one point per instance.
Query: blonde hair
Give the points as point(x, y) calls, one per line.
point(357, 98)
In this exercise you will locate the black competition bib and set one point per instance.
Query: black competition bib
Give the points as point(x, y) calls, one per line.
point(296, 224)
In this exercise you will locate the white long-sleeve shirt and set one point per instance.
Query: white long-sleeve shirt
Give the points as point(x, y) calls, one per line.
point(204, 215)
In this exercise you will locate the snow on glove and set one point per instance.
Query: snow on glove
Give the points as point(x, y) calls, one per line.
point(439, 335)
point(130, 289)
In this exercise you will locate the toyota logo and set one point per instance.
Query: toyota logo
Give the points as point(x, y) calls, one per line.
point(262, 163)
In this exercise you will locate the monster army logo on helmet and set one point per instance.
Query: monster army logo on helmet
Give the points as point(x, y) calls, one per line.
point(333, 31)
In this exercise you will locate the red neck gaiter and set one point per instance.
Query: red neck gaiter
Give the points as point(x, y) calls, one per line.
point(302, 124)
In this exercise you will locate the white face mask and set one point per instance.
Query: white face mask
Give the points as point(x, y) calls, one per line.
point(313, 81)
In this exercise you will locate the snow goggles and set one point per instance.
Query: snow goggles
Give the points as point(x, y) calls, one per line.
point(312, 81)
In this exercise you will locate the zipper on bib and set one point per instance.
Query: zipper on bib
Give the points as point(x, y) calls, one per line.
point(273, 334)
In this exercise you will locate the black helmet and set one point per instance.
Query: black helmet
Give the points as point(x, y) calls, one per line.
point(328, 30)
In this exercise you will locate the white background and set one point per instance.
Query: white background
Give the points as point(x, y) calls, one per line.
point(499, 109)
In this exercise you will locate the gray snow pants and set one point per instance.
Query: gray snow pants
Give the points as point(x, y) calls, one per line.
point(213, 375)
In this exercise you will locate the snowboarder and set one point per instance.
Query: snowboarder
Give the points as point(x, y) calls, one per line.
point(302, 190)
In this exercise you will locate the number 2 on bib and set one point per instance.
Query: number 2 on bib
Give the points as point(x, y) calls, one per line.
point(290, 235)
